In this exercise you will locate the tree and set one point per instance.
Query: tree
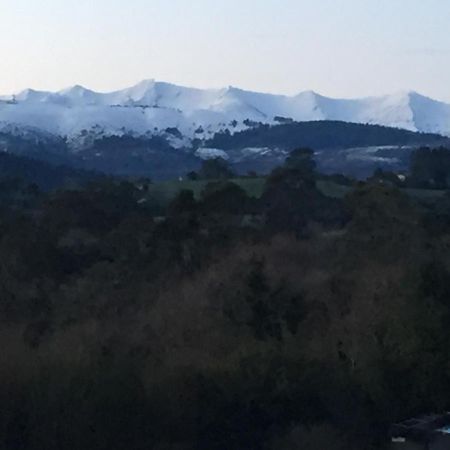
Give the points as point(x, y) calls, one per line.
point(291, 198)
point(192, 176)
point(430, 168)
point(225, 197)
point(215, 169)
point(299, 168)
point(183, 203)
point(302, 160)
point(269, 312)
point(387, 178)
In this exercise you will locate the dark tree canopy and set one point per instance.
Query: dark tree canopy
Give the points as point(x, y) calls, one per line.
point(320, 135)
point(225, 197)
point(430, 168)
point(222, 321)
point(301, 159)
point(215, 169)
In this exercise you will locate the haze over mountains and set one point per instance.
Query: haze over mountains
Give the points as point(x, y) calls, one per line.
point(152, 107)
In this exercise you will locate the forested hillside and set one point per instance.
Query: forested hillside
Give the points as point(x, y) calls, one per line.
point(353, 149)
point(221, 320)
point(322, 135)
point(44, 175)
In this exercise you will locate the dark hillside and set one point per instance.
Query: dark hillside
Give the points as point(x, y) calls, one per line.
point(45, 175)
point(322, 135)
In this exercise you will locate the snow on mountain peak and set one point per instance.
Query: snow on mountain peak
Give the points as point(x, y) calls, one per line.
point(30, 95)
point(142, 92)
point(151, 105)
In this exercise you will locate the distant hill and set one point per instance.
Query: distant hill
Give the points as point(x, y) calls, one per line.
point(45, 175)
point(341, 147)
point(349, 148)
point(152, 157)
point(322, 135)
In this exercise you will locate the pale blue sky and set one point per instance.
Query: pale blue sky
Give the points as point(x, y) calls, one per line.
point(341, 48)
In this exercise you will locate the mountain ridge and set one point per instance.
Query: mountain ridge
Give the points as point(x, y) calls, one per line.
point(150, 107)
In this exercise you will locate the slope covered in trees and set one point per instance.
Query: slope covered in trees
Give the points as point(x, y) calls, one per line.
point(322, 135)
point(46, 176)
point(341, 147)
point(214, 323)
point(152, 157)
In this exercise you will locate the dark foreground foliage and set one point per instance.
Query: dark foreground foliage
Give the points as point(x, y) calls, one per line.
point(216, 324)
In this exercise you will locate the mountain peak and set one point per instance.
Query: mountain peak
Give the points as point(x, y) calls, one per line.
point(148, 83)
point(153, 105)
point(31, 95)
point(76, 90)
point(310, 93)
point(410, 94)
point(139, 92)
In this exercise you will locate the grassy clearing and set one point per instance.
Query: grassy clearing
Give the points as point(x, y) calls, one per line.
point(253, 186)
point(331, 189)
point(425, 194)
point(167, 190)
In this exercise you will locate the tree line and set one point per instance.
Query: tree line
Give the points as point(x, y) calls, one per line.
point(297, 320)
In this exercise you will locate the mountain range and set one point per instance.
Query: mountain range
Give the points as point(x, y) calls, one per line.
point(152, 108)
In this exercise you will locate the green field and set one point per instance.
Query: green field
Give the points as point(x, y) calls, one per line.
point(254, 187)
point(167, 190)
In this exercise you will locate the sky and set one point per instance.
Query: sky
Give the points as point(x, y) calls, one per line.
point(339, 48)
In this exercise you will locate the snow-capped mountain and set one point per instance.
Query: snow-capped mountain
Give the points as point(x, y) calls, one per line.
point(151, 107)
